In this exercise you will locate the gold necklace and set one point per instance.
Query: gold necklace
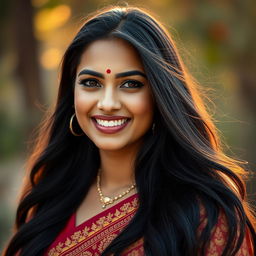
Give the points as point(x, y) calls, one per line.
point(106, 200)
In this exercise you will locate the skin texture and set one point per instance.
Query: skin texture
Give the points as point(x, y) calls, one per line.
point(110, 96)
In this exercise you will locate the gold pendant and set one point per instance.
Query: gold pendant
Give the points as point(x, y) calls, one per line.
point(107, 200)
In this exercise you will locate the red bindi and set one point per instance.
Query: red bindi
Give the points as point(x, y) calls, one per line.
point(108, 71)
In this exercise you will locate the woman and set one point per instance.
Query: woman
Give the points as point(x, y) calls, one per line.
point(130, 162)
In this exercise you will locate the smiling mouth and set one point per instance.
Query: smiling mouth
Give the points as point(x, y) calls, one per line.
point(111, 126)
point(111, 123)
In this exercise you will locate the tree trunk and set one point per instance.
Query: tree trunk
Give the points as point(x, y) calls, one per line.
point(27, 69)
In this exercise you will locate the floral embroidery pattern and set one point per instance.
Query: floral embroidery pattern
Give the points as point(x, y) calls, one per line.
point(99, 234)
point(135, 249)
point(219, 236)
point(93, 238)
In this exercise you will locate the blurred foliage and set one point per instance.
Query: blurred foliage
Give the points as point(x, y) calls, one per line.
point(10, 136)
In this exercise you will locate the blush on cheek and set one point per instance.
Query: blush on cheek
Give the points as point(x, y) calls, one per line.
point(142, 106)
point(83, 102)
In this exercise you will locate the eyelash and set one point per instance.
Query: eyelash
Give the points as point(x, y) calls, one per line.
point(83, 82)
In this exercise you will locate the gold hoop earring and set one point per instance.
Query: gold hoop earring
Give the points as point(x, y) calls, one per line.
point(71, 127)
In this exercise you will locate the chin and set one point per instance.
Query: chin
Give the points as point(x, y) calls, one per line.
point(108, 147)
point(112, 145)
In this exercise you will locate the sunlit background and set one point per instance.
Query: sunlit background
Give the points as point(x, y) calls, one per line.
point(216, 39)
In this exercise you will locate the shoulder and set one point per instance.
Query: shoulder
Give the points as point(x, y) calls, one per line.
point(219, 236)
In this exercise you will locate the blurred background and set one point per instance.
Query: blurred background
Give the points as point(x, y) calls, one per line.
point(216, 39)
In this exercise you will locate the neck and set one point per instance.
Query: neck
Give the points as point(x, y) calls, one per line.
point(117, 169)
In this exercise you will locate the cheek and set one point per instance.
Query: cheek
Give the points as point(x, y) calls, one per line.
point(141, 105)
point(82, 101)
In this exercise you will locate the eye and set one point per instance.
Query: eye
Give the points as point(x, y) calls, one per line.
point(132, 84)
point(89, 83)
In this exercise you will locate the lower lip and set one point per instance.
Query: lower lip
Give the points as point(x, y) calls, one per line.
point(110, 130)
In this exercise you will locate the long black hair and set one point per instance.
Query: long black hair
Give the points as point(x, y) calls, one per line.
point(178, 169)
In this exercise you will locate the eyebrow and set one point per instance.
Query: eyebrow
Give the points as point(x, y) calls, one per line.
point(118, 75)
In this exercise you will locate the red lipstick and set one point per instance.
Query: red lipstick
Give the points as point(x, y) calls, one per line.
point(113, 129)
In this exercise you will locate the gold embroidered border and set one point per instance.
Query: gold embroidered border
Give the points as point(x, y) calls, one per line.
point(125, 211)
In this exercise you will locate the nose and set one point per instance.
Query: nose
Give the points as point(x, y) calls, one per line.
point(109, 100)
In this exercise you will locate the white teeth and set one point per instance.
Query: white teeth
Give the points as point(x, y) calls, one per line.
point(111, 123)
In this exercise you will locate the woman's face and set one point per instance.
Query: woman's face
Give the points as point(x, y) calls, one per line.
point(111, 83)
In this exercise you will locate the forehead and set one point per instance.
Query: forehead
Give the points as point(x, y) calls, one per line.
point(113, 53)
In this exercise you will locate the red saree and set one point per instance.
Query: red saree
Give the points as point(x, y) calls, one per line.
point(91, 237)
